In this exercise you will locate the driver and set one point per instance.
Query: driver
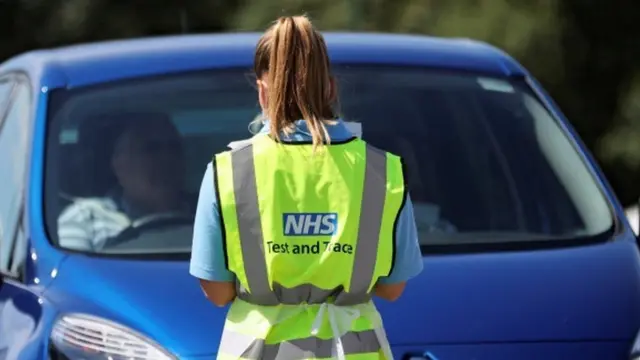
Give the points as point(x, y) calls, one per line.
point(148, 163)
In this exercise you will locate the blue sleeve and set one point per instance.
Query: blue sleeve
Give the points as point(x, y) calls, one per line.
point(207, 253)
point(408, 257)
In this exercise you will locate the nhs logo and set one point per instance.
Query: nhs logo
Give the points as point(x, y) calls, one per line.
point(309, 224)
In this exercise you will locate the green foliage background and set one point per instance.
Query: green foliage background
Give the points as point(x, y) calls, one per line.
point(586, 53)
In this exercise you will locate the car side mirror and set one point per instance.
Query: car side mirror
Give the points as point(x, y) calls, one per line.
point(635, 219)
point(634, 354)
point(632, 214)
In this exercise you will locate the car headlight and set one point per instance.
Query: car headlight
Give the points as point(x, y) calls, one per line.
point(86, 337)
point(635, 349)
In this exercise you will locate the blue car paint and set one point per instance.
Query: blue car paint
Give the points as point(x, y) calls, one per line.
point(562, 303)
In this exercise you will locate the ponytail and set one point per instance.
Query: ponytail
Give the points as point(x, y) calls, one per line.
point(294, 57)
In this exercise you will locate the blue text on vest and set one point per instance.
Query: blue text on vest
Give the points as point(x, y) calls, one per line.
point(309, 224)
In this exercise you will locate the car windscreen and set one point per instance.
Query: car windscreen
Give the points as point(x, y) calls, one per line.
point(486, 161)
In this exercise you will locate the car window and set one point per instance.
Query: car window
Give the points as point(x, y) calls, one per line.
point(486, 161)
point(5, 91)
point(19, 256)
point(13, 145)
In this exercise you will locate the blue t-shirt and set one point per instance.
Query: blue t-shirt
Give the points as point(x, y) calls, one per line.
point(207, 255)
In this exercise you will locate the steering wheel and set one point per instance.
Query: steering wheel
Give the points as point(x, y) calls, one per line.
point(146, 223)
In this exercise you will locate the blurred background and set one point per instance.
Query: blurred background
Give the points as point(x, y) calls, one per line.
point(585, 52)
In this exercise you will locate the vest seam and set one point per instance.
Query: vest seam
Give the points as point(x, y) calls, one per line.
point(223, 229)
point(309, 142)
point(405, 192)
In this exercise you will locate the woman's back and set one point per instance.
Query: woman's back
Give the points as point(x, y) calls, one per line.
point(308, 216)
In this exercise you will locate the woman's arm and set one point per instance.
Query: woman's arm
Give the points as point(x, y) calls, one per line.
point(389, 292)
point(408, 257)
point(208, 261)
point(219, 293)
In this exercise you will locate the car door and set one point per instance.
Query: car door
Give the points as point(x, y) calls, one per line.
point(20, 310)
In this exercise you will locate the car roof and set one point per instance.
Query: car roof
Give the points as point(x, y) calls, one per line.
point(99, 62)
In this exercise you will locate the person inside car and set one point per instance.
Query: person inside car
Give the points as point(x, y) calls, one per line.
point(149, 168)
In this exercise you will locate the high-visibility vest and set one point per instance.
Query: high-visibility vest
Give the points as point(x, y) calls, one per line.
point(307, 235)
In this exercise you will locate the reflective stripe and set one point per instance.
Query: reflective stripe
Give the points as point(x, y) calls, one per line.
point(306, 293)
point(252, 244)
point(246, 347)
point(373, 196)
point(250, 227)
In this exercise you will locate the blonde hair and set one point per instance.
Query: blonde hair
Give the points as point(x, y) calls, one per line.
point(294, 57)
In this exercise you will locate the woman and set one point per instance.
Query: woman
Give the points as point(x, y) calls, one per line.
point(303, 224)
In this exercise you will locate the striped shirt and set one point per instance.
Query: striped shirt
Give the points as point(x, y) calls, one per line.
point(88, 223)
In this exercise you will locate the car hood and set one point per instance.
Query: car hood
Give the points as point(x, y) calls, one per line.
point(588, 293)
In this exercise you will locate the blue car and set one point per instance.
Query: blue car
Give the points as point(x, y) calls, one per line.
point(527, 252)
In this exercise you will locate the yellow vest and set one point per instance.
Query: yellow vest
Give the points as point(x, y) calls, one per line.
point(307, 236)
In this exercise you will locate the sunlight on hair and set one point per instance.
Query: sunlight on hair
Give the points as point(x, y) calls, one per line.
point(292, 58)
